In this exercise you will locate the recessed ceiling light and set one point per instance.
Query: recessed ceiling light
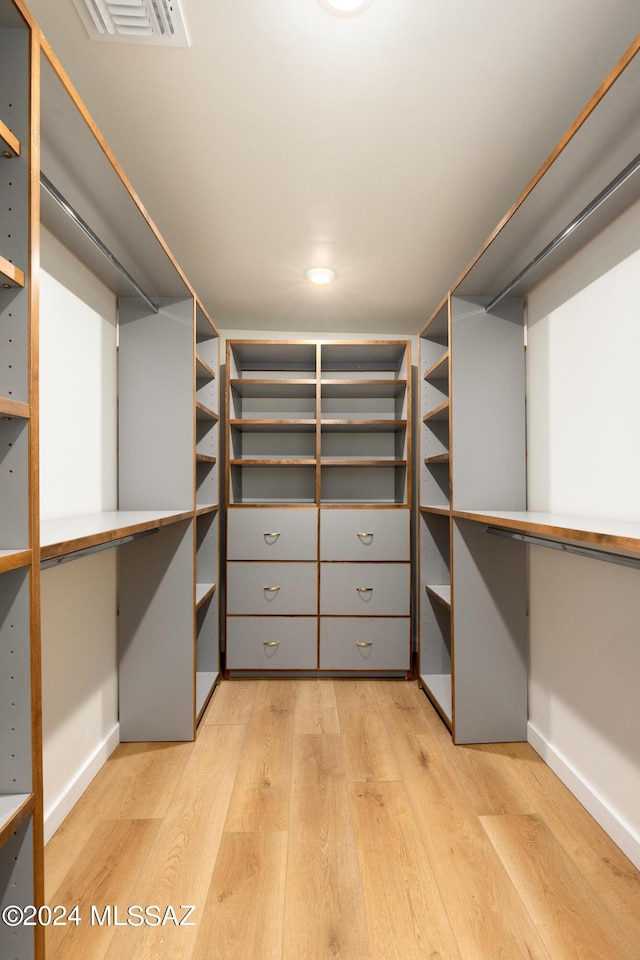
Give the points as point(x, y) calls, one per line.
point(345, 8)
point(320, 275)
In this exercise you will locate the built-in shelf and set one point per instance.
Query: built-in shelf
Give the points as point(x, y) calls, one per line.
point(439, 370)
point(203, 592)
point(600, 533)
point(440, 458)
point(12, 559)
point(440, 592)
point(10, 275)
point(435, 508)
point(205, 413)
point(273, 462)
point(203, 508)
point(274, 426)
point(274, 388)
point(9, 143)
point(14, 809)
point(204, 458)
point(363, 426)
point(203, 370)
point(205, 681)
point(441, 412)
point(68, 534)
point(369, 462)
point(14, 408)
point(362, 389)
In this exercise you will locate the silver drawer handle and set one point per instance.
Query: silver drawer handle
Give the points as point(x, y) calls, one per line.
point(364, 643)
point(273, 535)
point(363, 535)
point(271, 643)
point(271, 589)
point(364, 589)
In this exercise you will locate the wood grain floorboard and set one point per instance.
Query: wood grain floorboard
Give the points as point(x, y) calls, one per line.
point(572, 918)
point(406, 915)
point(324, 906)
point(316, 710)
point(262, 790)
point(106, 873)
point(336, 819)
point(231, 702)
point(367, 750)
point(243, 913)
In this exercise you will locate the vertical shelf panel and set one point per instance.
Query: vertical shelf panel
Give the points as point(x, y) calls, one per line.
point(15, 683)
point(18, 888)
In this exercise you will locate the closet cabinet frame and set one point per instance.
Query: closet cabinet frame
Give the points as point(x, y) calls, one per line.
point(303, 416)
point(21, 804)
point(578, 191)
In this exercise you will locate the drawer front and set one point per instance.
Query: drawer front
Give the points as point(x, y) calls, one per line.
point(272, 534)
point(364, 535)
point(272, 589)
point(272, 643)
point(365, 589)
point(384, 643)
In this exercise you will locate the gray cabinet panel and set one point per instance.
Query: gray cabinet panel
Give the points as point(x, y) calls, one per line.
point(365, 589)
point(272, 643)
point(364, 535)
point(271, 589)
point(272, 534)
point(363, 643)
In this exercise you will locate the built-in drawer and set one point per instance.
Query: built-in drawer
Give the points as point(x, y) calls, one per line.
point(364, 644)
point(365, 589)
point(272, 643)
point(364, 534)
point(272, 588)
point(272, 534)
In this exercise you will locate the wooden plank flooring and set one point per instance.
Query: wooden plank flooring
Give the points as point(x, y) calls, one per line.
point(335, 819)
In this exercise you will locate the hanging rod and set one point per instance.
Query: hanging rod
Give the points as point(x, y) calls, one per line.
point(95, 239)
point(591, 552)
point(622, 177)
point(98, 548)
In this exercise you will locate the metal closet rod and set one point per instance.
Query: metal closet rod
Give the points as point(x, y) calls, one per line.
point(95, 239)
point(622, 177)
point(98, 548)
point(592, 552)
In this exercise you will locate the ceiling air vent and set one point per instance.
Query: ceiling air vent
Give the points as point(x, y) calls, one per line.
point(134, 21)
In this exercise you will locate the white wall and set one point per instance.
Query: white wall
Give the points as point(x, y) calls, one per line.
point(78, 470)
point(584, 459)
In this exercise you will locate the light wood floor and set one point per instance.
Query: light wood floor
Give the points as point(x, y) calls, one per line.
point(335, 819)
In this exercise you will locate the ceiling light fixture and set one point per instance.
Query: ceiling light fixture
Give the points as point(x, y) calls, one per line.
point(320, 275)
point(345, 8)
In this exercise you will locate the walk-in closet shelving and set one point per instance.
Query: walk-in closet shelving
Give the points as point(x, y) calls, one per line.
point(315, 429)
point(588, 181)
point(21, 835)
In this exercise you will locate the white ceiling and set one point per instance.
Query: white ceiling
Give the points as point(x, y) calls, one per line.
point(386, 146)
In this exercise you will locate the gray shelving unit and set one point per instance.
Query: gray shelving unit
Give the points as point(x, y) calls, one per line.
point(21, 861)
point(319, 486)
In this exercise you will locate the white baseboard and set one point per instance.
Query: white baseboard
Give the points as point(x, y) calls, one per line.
point(64, 802)
point(601, 811)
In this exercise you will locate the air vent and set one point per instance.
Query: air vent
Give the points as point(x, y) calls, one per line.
point(134, 21)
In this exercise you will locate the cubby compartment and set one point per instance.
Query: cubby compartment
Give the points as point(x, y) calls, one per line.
point(207, 607)
point(279, 441)
point(364, 442)
point(14, 348)
point(364, 484)
point(270, 360)
point(206, 483)
point(364, 400)
point(285, 483)
point(272, 401)
point(435, 485)
point(14, 483)
point(365, 360)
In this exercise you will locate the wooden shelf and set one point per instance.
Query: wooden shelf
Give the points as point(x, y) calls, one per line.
point(204, 413)
point(203, 508)
point(369, 462)
point(363, 426)
point(441, 412)
point(10, 275)
point(273, 462)
point(440, 592)
point(12, 559)
point(274, 426)
point(203, 592)
point(204, 458)
point(14, 809)
point(597, 533)
point(9, 143)
point(14, 408)
point(68, 534)
point(439, 370)
point(431, 508)
point(203, 370)
point(440, 458)
point(362, 389)
point(274, 388)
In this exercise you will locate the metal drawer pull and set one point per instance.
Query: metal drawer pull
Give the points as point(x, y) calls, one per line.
point(271, 643)
point(364, 589)
point(271, 589)
point(364, 643)
point(362, 535)
point(275, 534)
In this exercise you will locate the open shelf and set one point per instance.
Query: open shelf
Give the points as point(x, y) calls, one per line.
point(68, 534)
point(274, 426)
point(203, 370)
point(205, 413)
point(9, 143)
point(203, 592)
point(439, 370)
point(274, 388)
point(12, 559)
point(438, 686)
point(441, 412)
point(362, 389)
point(440, 592)
point(14, 809)
point(362, 426)
point(10, 275)
point(14, 408)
